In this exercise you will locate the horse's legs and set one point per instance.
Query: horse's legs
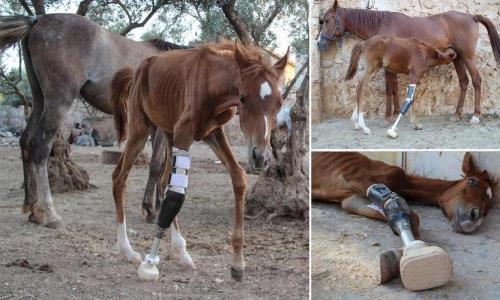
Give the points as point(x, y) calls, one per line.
point(362, 206)
point(154, 174)
point(476, 82)
point(178, 246)
point(175, 195)
point(463, 82)
point(218, 143)
point(31, 198)
point(136, 139)
point(37, 143)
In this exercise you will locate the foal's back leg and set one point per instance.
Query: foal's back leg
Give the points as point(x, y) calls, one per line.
point(392, 96)
point(148, 201)
point(371, 68)
point(137, 136)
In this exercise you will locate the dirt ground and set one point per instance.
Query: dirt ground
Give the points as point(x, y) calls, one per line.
point(438, 133)
point(345, 251)
point(80, 260)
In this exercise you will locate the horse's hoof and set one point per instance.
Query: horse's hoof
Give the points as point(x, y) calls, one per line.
point(367, 131)
point(474, 120)
point(418, 127)
point(237, 274)
point(455, 118)
point(134, 258)
point(55, 224)
point(33, 219)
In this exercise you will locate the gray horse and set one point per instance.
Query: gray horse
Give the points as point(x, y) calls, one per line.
point(67, 56)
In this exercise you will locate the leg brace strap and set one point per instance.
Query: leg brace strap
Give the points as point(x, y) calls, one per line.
point(396, 210)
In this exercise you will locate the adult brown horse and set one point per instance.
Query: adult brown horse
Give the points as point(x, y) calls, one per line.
point(450, 29)
point(191, 94)
point(67, 56)
point(344, 177)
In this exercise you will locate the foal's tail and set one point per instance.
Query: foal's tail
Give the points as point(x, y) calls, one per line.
point(13, 29)
point(120, 89)
point(353, 65)
point(492, 33)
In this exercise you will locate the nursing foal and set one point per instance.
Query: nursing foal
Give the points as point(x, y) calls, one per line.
point(396, 55)
point(190, 95)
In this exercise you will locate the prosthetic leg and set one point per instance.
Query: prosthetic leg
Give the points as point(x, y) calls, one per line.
point(404, 109)
point(170, 206)
point(421, 266)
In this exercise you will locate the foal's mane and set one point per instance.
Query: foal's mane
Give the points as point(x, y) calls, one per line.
point(163, 45)
point(258, 63)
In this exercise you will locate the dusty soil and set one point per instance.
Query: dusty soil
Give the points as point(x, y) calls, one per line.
point(80, 260)
point(345, 250)
point(438, 133)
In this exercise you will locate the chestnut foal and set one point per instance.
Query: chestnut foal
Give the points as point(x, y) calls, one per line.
point(396, 55)
point(190, 95)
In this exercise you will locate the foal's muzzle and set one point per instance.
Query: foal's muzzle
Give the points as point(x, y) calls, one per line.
point(260, 158)
point(467, 220)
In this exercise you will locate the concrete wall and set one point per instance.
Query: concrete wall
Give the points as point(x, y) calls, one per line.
point(437, 91)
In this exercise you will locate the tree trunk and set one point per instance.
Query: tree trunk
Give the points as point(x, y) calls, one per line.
point(283, 189)
point(64, 174)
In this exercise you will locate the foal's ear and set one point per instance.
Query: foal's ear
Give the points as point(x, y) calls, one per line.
point(281, 64)
point(240, 56)
point(335, 5)
point(468, 166)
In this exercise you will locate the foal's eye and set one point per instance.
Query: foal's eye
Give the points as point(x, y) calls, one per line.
point(471, 182)
point(243, 98)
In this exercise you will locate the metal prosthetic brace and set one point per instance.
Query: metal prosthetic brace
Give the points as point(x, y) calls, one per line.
point(396, 210)
point(404, 109)
point(421, 266)
point(169, 208)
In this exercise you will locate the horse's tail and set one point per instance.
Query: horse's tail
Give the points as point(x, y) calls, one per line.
point(120, 89)
point(353, 64)
point(492, 33)
point(13, 29)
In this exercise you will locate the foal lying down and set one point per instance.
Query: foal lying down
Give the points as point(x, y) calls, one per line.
point(397, 55)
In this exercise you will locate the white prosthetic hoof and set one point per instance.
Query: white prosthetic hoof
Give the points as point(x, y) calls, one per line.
point(148, 271)
point(424, 267)
point(392, 133)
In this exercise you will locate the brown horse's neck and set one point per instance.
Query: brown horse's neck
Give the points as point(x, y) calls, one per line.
point(363, 23)
point(425, 190)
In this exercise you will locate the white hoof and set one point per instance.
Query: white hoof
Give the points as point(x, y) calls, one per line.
point(474, 120)
point(356, 126)
point(148, 272)
point(392, 133)
point(367, 131)
point(187, 262)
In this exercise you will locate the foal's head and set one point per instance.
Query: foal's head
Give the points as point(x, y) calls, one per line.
point(468, 201)
point(332, 28)
point(260, 99)
point(444, 57)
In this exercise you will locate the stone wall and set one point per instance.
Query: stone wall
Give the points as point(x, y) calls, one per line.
point(437, 91)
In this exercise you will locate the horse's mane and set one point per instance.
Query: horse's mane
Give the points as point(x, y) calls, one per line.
point(259, 63)
point(166, 46)
point(368, 19)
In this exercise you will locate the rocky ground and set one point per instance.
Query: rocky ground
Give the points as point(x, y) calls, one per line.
point(438, 133)
point(345, 250)
point(80, 259)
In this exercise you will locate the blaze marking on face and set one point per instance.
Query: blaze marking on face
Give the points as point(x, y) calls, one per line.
point(265, 123)
point(265, 90)
point(489, 192)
